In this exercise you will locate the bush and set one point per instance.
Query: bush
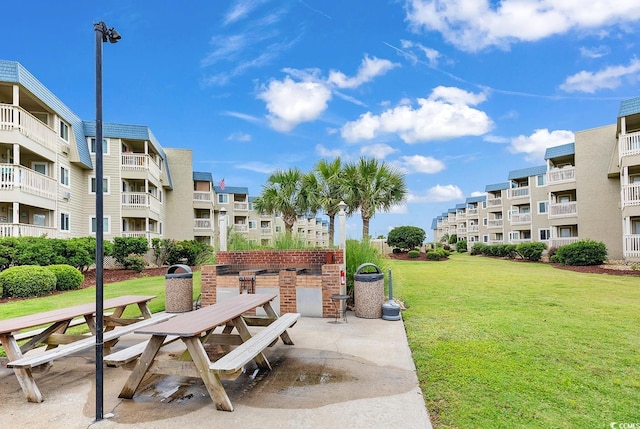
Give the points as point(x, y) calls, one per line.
point(453, 239)
point(406, 237)
point(67, 277)
point(478, 249)
point(438, 254)
point(461, 246)
point(27, 280)
point(396, 250)
point(413, 254)
point(531, 251)
point(123, 247)
point(358, 253)
point(583, 252)
point(135, 262)
point(191, 250)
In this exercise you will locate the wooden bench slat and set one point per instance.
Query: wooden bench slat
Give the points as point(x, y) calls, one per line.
point(247, 351)
point(131, 353)
point(53, 354)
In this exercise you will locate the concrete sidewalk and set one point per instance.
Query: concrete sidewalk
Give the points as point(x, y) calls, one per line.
point(348, 375)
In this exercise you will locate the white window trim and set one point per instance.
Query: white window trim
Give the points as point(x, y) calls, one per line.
point(64, 125)
point(69, 221)
point(46, 167)
point(107, 145)
point(226, 197)
point(66, 185)
point(105, 190)
point(546, 206)
point(107, 227)
point(548, 234)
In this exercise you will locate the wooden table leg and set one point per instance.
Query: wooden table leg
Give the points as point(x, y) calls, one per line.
point(144, 309)
point(243, 330)
point(144, 362)
point(211, 379)
point(273, 315)
point(25, 378)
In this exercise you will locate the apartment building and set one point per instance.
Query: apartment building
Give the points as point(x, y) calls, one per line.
point(589, 189)
point(48, 181)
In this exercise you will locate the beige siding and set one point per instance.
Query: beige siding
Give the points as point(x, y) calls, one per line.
point(179, 201)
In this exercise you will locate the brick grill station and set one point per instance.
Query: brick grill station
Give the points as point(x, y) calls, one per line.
point(303, 279)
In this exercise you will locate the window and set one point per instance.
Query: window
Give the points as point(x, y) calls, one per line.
point(42, 117)
point(485, 238)
point(105, 225)
point(105, 185)
point(564, 232)
point(64, 176)
point(563, 199)
point(544, 234)
point(278, 228)
point(40, 167)
point(541, 180)
point(484, 221)
point(223, 198)
point(253, 224)
point(64, 222)
point(543, 207)
point(64, 131)
point(39, 219)
point(105, 145)
point(635, 226)
point(484, 204)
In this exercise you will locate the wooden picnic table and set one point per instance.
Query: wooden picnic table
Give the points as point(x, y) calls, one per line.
point(54, 325)
point(196, 328)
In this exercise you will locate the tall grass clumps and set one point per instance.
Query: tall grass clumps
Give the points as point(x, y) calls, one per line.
point(358, 253)
point(583, 252)
point(67, 277)
point(27, 280)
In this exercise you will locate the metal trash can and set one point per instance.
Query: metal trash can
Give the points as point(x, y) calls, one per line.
point(178, 289)
point(368, 292)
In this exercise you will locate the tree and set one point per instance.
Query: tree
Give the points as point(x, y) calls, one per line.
point(288, 192)
point(406, 237)
point(371, 186)
point(329, 192)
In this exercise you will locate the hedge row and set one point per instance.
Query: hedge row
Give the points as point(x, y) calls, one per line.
point(529, 251)
point(33, 280)
point(583, 252)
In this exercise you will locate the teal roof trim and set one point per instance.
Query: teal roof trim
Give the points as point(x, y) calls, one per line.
point(434, 224)
point(629, 107)
point(199, 176)
point(461, 206)
point(232, 190)
point(558, 151)
point(527, 172)
point(12, 71)
point(497, 187)
point(477, 199)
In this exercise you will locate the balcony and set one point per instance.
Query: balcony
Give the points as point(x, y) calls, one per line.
point(494, 202)
point(558, 210)
point(149, 235)
point(241, 206)
point(202, 224)
point(561, 175)
point(522, 192)
point(495, 223)
point(461, 216)
point(240, 227)
point(631, 195)
point(629, 144)
point(472, 212)
point(631, 246)
point(520, 218)
point(473, 228)
point(16, 177)
point(562, 241)
point(266, 231)
point(16, 118)
point(26, 230)
point(462, 230)
point(140, 162)
point(202, 196)
point(140, 200)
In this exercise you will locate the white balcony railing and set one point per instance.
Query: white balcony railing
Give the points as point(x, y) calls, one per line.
point(240, 227)
point(264, 230)
point(17, 177)
point(561, 241)
point(631, 246)
point(462, 230)
point(149, 235)
point(563, 209)
point(202, 196)
point(494, 202)
point(520, 218)
point(202, 224)
point(26, 230)
point(473, 228)
point(629, 144)
point(140, 200)
point(495, 223)
point(140, 162)
point(521, 192)
point(461, 216)
point(240, 206)
point(631, 195)
point(472, 212)
point(561, 175)
point(16, 118)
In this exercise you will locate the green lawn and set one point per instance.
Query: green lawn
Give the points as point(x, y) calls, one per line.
point(510, 344)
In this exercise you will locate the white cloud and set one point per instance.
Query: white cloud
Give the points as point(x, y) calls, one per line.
point(537, 143)
point(608, 78)
point(290, 103)
point(432, 55)
point(473, 25)
point(597, 52)
point(423, 164)
point(496, 139)
point(242, 116)
point(240, 137)
point(438, 194)
point(240, 9)
point(369, 69)
point(325, 152)
point(444, 115)
point(378, 150)
point(258, 167)
point(398, 209)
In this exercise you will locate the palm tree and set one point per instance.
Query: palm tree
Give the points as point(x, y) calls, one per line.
point(372, 186)
point(287, 192)
point(329, 192)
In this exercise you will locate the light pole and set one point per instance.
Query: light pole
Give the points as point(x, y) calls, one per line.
point(103, 34)
point(222, 226)
point(343, 241)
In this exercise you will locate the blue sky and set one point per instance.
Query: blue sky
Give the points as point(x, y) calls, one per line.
point(454, 93)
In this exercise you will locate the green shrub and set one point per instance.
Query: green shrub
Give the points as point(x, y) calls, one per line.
point(461, 246)
point(27, 280)
point(438, 254)
point(406, 237)
point(396, 250)
point(135, 262)
point(583, 252)
point(531, 251)
point(453, 239)
point(358, 253)
point(67, 277)
point(191, 250)
point(125, 246)
point(478, 249)
point(413, 254)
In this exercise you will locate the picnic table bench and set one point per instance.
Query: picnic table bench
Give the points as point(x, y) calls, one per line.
point(195, 329)
point(58, 343)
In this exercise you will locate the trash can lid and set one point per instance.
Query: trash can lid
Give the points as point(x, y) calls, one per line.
point(368, 264)
point(173, 272)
